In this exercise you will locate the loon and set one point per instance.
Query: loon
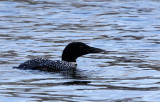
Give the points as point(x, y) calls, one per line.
point(71, 52)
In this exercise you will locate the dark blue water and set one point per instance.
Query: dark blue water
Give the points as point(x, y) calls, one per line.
point(128, 30)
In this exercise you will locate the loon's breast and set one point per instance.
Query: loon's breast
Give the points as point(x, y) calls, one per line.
point(47, 65)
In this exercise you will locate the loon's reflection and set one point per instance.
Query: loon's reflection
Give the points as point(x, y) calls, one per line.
point(76, 74)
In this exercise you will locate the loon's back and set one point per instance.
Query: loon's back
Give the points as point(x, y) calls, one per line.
point(47, 65)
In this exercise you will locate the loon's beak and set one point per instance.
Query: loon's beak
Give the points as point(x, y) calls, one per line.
point(95, 50)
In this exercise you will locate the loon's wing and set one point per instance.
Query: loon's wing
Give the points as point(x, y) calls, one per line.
point(46, 65)
point(32, 64)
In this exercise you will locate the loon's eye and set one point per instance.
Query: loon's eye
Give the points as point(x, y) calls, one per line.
point(81, 47)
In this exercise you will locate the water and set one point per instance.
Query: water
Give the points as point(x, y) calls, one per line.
point(128, 30)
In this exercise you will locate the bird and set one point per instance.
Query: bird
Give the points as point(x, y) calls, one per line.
point(68, 61)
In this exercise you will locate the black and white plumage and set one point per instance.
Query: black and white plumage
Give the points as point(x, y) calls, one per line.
point(71, 52)
point(47, 65)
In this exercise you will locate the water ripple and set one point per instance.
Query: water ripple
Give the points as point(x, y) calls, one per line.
point(127, 30)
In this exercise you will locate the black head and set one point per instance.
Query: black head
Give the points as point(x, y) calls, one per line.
point(76, 49)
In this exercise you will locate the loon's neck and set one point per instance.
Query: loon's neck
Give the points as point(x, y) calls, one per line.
point(71, 63)
point(74, 63)
point(69, 57)
point(69, 60)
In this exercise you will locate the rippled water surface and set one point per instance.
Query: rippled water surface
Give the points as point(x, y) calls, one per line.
point(128, 29)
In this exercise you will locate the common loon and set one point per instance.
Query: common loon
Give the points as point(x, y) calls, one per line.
point(71, 52)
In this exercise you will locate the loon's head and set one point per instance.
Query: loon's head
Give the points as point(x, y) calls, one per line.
point(76, 49)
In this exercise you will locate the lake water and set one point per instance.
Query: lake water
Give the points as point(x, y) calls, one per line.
point(128, 29)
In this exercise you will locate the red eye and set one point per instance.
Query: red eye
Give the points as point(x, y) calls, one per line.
point(81, 47)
